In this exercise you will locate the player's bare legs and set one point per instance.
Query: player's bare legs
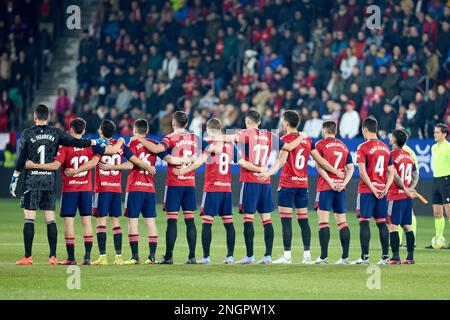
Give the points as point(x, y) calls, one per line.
point(231, 238)
point(302, 218)
point(52, 236)
point(266, 220)
point(87, 238)
point(207, 222)
point(117, 237)
point(324, 235)
point(28, 236)
point(249, 234)
point(152, 231)
point(344, 235)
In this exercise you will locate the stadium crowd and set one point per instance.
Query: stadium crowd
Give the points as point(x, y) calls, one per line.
point(28, 30)
point(220, 58)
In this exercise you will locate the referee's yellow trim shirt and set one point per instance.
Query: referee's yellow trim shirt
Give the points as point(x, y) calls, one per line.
point(441, 159)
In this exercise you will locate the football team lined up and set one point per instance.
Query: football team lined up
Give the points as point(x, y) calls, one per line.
point(386, 187)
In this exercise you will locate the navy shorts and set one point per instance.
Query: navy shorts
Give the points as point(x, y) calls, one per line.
point(369, 206)
point(107, 203)
point(137, 202)
point(71, 201)
point(176, 197)
point(400, 212)
point(217, 204)
point(329, 200)
point(256, 197)
point(293, 197)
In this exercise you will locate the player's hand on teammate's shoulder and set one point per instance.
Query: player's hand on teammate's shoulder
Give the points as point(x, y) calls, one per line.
point(101, 142)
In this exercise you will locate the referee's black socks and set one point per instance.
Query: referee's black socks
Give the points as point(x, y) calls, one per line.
point(52, 236)
point(28, 235)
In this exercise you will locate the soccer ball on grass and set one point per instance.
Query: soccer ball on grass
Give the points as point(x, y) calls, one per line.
point(438, 242)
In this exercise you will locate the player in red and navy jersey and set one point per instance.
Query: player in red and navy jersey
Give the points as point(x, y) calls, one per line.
point(217, 197)
point(400, 197)
point(76, 190)
point(293, 187)
point(140, 197)
point(376, 176)
point(178, 148)
point(256, 193)
point(108, 191)
point(331, 191)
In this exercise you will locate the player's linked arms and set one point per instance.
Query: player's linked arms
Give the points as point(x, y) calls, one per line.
point(181, 171)
point(53, 166)
point(111, 150)
point(141, 164)
point(85, 167)
point(153, 148)
point(123, 166)
point(266, 172)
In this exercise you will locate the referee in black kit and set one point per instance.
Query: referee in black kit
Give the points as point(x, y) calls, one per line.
point(440, 153)
point(40, 144)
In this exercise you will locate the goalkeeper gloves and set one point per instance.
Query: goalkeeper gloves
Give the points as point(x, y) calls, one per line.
point(13, 183)
point(101, 142)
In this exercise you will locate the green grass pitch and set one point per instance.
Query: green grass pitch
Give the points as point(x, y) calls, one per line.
point(428, 279)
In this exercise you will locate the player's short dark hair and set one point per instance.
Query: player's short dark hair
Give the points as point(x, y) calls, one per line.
point(214, 123)
point(141, 126)
point(443, 127)
point(108, 128)
point(400, 137)
point(292, 118)
point(371, 124)
point(180, 118)
point(406, 132)
point(42, 112)
point(253, 115)
point(330, 126)
point(78, 125)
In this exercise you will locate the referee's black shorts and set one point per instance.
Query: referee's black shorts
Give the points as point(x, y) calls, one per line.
point(38, 200)
point(441, 190)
